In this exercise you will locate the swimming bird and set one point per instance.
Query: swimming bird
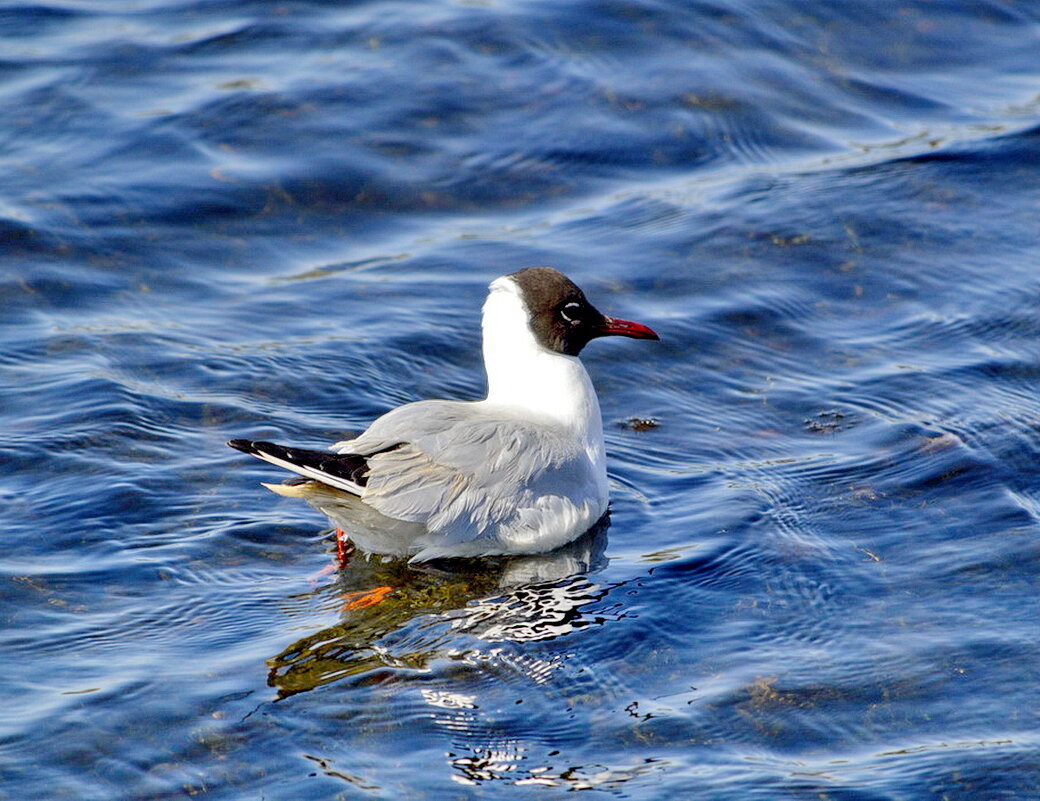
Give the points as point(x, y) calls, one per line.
point(521, 472)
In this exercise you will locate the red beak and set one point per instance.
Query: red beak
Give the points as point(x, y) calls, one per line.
point(625, 328)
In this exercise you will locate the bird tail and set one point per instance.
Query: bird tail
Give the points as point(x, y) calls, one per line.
point(347, 472)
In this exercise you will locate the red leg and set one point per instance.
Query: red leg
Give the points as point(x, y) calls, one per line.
point(343, 550)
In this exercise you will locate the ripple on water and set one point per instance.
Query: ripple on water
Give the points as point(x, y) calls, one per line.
point(224, 220)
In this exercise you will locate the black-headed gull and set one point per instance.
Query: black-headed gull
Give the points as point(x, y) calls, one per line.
point(520, 472)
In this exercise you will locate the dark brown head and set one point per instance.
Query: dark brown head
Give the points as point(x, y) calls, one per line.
point(561, 318)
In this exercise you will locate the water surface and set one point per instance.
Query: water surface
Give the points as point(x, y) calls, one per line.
point(234, 218)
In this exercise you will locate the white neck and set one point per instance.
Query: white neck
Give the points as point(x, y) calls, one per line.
point(534, 381)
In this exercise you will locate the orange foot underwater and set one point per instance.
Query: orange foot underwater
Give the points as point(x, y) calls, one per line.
point(362, 599)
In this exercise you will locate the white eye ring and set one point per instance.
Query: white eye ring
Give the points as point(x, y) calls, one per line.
point(567, 317)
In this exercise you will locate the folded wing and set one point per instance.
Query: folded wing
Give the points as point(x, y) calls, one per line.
point(471, 476)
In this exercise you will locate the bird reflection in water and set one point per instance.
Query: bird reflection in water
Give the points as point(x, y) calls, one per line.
point(459, 633)
point(435, 610)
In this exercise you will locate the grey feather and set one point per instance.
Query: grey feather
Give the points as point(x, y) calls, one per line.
point(467, 476)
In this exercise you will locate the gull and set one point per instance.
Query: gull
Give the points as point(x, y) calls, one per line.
point(523, 471)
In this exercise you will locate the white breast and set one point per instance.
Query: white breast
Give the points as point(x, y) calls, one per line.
point(537, 383)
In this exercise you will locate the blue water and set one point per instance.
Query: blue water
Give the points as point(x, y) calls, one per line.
point(225, 218)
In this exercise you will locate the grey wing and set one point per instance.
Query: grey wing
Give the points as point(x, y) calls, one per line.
point(407, 423)
point(465, 475)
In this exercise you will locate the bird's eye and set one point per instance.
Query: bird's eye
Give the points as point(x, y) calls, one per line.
point(571, 313)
